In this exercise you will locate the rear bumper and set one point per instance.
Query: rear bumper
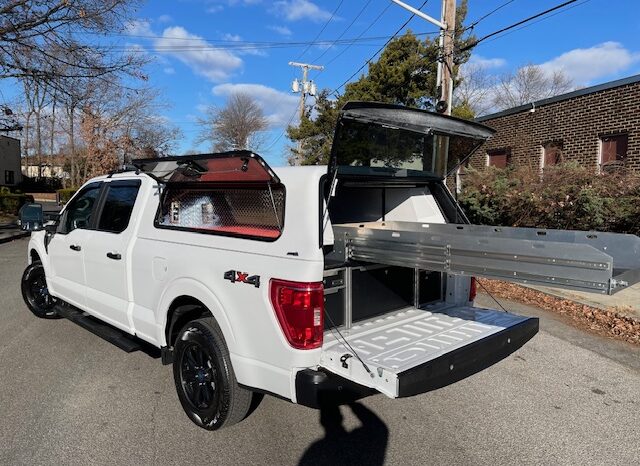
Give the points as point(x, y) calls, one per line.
point(315, 388)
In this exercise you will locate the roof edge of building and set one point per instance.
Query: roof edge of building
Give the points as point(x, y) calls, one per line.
point(559, 98)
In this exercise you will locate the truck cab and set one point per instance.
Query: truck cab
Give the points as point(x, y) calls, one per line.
point(316, 284)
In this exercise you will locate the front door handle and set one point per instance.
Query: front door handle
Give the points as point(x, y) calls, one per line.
point(75, 247)
point(114, 255)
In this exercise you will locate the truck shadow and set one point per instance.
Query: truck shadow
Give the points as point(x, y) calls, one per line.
point(366, 444)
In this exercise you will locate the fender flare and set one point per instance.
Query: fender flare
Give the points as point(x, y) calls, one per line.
point(193, 288)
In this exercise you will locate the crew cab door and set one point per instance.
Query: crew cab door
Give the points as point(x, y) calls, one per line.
point(67, 246)
point(107, 254)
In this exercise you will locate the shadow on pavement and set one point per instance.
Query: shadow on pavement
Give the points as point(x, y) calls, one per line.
point(364, 445)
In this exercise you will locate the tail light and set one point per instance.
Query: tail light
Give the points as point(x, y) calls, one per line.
point(300, 311)
point(473, 289)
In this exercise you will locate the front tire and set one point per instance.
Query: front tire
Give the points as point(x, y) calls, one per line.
point(36, 294)
point(204, 377)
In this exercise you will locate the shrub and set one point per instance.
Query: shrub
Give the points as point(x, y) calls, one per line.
point(11, 203)
point(565, 196)
point(65, 194)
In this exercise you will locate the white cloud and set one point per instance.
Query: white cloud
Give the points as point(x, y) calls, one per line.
point(282, 30)
point(483, 62)
point(295, 10)
point(214, 64)
point(585, 65)
point(169, 70)
point(165, 19)
point(138, 27)
point(277, 106)
point(232, 37)
point(214, 9)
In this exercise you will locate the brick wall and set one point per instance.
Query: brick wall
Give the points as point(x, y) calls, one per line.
point(579, 122)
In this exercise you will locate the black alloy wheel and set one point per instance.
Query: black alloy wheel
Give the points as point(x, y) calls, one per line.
point(36, 293)
point(199, 377)
point(206, 384)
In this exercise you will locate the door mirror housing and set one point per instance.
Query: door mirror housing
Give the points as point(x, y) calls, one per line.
point(31, 217)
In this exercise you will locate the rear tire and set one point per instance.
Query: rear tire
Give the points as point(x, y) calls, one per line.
point(206, 384)
point(36, 294)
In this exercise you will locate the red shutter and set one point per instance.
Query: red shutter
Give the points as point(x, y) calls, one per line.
point(614, 148)
point(499, 159)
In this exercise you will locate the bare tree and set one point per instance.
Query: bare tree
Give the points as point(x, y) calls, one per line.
point(238, 125)
point(475, 89)
point(46, 39)
point(528, 84)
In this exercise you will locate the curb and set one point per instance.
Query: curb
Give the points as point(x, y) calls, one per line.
point(22, 234)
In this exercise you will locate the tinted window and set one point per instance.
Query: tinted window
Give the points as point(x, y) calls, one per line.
point(78, 212)
point(121, 196)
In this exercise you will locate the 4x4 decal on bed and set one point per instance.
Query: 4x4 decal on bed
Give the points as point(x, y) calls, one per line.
point(242, 277)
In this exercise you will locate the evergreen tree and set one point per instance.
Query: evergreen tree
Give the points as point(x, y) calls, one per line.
point(405, 74)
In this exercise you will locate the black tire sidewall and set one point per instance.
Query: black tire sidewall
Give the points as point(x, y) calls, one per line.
point(30, 274)
point(201, 333)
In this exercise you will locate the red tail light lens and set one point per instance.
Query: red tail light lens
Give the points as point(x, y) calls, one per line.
point(473, 289)
point(300, 311)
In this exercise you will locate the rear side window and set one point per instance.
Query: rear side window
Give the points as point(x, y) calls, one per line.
point(256, 213)
point(118, 205)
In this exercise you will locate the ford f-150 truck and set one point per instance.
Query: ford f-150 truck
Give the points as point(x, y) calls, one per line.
point(316, 284)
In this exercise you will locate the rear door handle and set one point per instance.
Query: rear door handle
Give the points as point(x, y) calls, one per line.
point(114, 255)
point(75, 247)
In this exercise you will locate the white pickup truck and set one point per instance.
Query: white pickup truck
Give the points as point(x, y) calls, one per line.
point(315, 284)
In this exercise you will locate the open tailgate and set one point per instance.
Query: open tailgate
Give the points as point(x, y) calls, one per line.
point(413, 351)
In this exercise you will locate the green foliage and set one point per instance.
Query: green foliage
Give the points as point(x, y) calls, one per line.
point(5, 190)
point(11, 203)
point(405, 74)
point(566, 196)
point(65, 194)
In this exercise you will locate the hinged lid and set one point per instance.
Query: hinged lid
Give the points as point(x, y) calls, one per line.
point(225, 167)
point(376, 139)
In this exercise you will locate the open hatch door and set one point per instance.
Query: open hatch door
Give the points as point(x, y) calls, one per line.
point(390, 141)
point(225, 167)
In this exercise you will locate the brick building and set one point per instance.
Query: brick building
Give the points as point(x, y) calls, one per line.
point(597, 126)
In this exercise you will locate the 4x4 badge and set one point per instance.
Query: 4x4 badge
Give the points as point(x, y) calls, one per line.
point(242, 277)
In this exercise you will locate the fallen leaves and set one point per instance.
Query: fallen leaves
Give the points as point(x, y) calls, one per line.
point(608, 322)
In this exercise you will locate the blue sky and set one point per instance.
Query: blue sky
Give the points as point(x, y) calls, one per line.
point(593, 42)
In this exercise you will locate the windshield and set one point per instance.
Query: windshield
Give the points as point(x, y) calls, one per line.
point(382, 149)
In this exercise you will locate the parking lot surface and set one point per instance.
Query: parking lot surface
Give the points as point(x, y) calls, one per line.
point(68, 397)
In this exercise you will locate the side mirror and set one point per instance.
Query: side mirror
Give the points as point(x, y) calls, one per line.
point(31, 217)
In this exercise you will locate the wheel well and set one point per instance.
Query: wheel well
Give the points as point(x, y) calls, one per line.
point(182, 310)
point(34, 256)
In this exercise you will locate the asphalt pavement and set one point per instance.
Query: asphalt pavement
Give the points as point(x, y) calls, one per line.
point(68, 397)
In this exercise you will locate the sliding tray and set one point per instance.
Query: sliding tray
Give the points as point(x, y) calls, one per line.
point(579, 260)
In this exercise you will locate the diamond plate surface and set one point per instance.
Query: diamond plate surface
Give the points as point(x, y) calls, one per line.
point(412, 337)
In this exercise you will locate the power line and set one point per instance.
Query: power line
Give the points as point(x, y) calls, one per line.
point(482, 18)
point(359, 36)
point(380, 49)
point(514, 25)
point(251, 45)
point(364, 7)
point(321, 30)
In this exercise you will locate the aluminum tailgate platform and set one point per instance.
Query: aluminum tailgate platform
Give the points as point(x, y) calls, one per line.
point(414, 350)
point(580, 260)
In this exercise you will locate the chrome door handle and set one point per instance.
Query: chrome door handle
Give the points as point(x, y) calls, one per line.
point(75, 247)
point(114, 255)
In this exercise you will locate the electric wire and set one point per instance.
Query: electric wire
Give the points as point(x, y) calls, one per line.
point(380, 49)
point(321, 31)
point(364, 7)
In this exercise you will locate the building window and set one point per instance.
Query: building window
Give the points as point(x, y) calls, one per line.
point(551, 153)
point(9, 177)
point(499, 158)
point(613, 150)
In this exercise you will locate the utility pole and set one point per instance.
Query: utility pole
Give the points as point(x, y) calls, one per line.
point(304, 87)
point(447, 26)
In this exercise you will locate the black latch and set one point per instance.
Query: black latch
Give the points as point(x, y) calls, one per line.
point(343, 360)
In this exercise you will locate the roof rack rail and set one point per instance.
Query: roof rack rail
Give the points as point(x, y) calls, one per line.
point(124, 169)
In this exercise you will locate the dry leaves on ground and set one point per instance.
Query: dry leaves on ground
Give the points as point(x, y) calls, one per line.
point(609, 322)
